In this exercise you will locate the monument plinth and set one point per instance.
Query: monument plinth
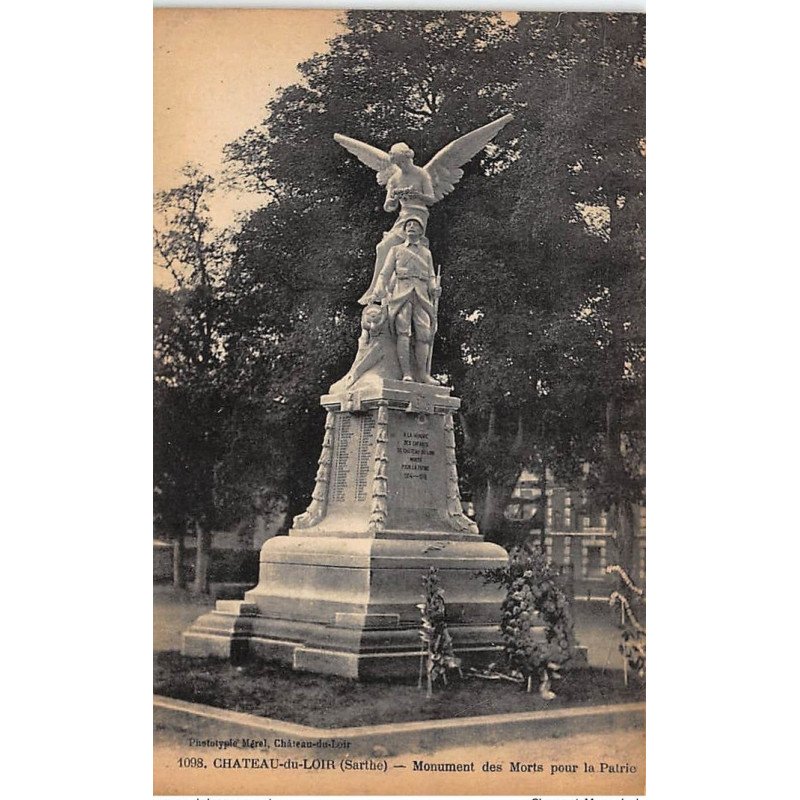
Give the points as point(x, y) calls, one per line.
point(339, 594)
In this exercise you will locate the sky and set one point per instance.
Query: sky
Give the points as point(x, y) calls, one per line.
point(214, 71)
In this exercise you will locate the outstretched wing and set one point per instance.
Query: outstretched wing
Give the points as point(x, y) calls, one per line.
point(444, 168)
point(373, 157)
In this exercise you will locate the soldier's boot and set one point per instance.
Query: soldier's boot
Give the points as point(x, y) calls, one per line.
point(404, 356)
point(422, 351)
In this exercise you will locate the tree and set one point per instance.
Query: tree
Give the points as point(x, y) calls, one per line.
point(188, 351)
point(539, 323)
point(595, 184)
point(543, 360)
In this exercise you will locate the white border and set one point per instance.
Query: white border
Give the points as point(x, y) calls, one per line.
point(721, 306)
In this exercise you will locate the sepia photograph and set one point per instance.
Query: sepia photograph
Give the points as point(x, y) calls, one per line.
point(399, 499)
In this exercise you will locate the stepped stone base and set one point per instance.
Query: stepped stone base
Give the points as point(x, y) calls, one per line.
point(349, 606)
point(339, 595)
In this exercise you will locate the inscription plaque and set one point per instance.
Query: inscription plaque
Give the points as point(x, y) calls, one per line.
point(341, 466)
point(353, 456)
point(365, 456)
point(417, 468)
point(417, 452)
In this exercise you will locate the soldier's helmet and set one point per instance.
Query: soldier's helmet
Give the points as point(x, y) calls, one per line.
point(414, 219)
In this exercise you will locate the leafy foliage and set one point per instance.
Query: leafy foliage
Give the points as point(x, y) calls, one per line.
point(633, 646)
point(533, 595)
point(592, 144)
point(438, 655)
point(187, 345)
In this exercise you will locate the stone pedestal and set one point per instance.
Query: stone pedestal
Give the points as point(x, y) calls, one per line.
point(339, 595)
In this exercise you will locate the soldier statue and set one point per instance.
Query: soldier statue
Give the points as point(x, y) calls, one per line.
point(403, 278)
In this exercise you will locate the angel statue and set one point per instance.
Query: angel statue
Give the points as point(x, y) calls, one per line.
point(413, 189)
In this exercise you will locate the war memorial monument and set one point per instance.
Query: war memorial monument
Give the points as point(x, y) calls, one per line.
point(339, 594)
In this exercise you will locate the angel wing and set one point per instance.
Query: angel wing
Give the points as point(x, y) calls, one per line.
point(373, 157)
point(444, 168)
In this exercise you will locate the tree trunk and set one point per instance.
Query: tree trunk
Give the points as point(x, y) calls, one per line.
point(543, 505)
point(203, 560)
point(490, 515)
point(295, 504)
point(178, 550)
point(489, 510)
point(622, 506)
point(626, 531)
point(622, 509)
point(491, 505)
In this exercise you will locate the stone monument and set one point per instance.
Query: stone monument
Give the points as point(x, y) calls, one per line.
point(339, 594)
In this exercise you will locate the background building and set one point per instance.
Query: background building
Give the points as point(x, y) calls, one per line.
point(578, 537)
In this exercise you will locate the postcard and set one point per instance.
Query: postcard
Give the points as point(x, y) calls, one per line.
point(399, 386)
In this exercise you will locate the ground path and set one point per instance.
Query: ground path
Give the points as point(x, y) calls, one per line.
point(621, 750)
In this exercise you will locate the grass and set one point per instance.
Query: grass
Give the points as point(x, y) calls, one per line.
point(276, 691)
